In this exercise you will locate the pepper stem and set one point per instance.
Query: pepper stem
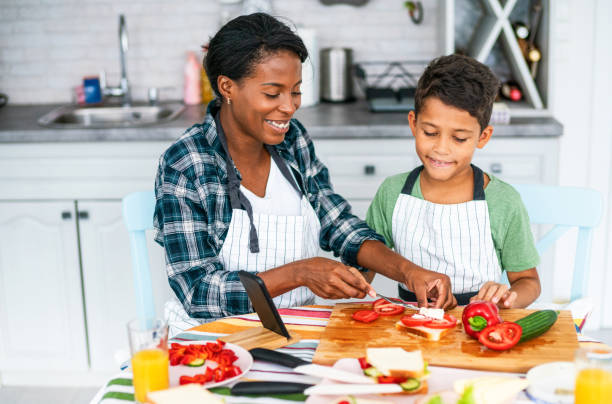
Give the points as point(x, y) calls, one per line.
point(478, 323)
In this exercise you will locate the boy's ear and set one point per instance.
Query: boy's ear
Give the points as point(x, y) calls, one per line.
point(484, 137)
point(412, 122)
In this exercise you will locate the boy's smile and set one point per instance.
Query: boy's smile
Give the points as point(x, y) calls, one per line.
point(445, 139)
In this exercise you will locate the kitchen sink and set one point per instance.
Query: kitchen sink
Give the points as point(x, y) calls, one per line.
point(74, 116)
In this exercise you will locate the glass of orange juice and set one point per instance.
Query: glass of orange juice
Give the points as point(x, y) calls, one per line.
point(594, 376)
point(149, 349)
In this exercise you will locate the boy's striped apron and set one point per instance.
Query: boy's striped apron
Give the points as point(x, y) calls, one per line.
point(453, 239)
point(258, 242)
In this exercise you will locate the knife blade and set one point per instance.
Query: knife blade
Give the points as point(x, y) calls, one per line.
point(267, 388)
point(307, 368)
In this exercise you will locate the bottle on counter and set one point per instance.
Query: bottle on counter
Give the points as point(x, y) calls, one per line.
point(192, 94)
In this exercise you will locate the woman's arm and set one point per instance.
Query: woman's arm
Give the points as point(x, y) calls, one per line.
point(195, 273)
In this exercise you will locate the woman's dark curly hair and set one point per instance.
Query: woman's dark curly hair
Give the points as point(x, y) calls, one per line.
point(462, 82)
point(244, 42)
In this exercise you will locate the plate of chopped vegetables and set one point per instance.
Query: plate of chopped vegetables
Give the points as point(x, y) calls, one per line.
point(209, 363)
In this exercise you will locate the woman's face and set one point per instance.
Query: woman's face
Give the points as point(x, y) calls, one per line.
point(263, 103)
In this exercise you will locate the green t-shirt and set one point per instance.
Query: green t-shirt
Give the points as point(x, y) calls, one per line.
point(510, 228)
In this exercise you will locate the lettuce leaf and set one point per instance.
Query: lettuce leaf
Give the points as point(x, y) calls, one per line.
point(467, 397)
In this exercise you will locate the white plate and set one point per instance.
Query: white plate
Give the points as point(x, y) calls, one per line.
point(545, 379)
point(244, 362)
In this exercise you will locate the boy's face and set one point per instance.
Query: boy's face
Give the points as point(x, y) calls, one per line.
point(446, 138)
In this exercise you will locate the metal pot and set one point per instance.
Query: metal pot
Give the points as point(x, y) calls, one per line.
point(336, 77)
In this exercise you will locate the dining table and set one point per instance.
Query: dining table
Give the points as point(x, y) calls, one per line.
point(309, 322)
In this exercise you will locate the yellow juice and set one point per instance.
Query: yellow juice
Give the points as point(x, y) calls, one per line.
point(593, 386)
point(150, 368)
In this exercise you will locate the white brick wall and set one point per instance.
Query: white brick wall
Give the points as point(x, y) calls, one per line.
point(47, 46)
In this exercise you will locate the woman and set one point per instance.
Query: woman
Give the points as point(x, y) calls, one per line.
point(244, 190)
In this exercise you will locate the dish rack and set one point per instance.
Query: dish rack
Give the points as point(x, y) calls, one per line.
point(389, 86)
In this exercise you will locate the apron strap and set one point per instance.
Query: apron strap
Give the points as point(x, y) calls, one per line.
point(237, 199)
point(479, 194)
point(282, 166)
point(411, 180)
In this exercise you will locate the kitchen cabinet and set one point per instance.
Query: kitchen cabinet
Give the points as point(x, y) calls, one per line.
point(42, 324)
point(65, 264)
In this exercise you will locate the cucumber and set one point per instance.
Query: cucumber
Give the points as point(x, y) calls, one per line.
point(196, 362)
point(411, 384)
point(372, 372)
point(536, 323)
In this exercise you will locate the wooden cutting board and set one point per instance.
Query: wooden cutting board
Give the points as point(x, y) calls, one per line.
point(346, 338)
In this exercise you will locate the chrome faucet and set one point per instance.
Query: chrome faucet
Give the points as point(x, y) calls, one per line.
point(123, 90)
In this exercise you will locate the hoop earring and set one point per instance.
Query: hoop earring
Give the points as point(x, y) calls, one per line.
point(229, 101)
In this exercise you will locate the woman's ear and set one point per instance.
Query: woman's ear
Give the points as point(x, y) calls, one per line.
point(412, 122)
point(225, 86)
point(484, 137)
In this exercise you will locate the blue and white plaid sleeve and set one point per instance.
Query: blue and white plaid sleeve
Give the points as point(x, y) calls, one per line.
point(184, 227)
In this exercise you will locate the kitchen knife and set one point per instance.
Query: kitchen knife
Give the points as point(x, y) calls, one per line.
point(266, 388)
point(301, 366)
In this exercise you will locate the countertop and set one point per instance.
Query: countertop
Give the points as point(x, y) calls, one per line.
point(18, 124)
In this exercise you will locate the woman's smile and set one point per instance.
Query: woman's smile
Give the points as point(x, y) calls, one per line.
point(278, 126)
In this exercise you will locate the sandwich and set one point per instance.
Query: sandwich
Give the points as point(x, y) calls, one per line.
point(425, 325)
point(395, 365)
point(480, 390)
point(186, 394)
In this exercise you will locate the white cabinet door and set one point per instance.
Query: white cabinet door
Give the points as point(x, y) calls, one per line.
point(41, 308)
point(108, 280)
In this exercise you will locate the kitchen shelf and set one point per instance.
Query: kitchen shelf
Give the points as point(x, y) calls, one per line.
point(495, 27)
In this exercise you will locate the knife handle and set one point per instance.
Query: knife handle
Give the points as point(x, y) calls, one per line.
point(268, 355)
point(243, 388)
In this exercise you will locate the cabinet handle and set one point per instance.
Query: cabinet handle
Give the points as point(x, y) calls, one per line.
point(369, 170)
point(496, 168)
point(66, 215)
point(84, 215)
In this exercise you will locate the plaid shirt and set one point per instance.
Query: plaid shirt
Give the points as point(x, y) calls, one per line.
point(193, 213)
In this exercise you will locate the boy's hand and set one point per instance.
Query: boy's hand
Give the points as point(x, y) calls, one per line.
point(496, 293)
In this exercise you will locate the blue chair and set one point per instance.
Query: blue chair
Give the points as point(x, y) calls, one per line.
point(565, 208)
point(138, 210)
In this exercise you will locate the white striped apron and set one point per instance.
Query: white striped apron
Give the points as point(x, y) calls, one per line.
point(259, 242)
point(453, 239)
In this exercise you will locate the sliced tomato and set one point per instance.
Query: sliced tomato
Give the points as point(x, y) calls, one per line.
point(410, 321)
point(384, 308)
point(365, 316)
point(502, 336)
point(391, 379)
point(363, 363)
point(449, 321)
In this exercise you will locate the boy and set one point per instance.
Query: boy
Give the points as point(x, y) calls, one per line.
point(447, 215)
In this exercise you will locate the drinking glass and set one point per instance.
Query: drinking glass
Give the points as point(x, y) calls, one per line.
point(149, 349)
point(594, 376)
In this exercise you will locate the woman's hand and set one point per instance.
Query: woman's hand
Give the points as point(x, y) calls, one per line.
point(331, 279)
point(430, 285)
point(496, 293)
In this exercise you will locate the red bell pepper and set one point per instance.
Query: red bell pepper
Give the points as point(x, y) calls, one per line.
point(479, 315)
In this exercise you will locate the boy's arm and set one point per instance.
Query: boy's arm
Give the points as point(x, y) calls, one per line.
point(524, 289)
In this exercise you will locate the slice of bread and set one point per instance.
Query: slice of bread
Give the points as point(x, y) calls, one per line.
point(431, 334)
point(186, 394)
point(396, 362)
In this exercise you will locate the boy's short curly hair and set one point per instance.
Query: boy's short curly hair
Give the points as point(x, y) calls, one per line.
point(459, 81)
